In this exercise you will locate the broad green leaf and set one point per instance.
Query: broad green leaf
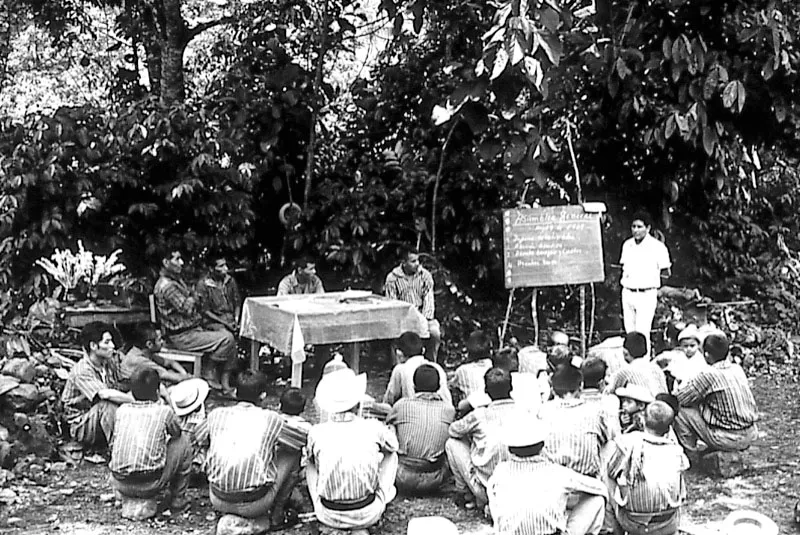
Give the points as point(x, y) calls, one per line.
point(741, 95)
point(669, 127)
point(729, 95)
point(709, 140)
point(533, 70)
point(500, 63)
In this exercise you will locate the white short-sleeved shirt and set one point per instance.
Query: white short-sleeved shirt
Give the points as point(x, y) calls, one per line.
point(642, 263)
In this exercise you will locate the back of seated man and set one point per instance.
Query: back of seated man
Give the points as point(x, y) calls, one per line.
point(469, 376)
point(147, 342)
point(593, 371)
point(646, 471)
point(640, 370)
point(421, 423)
point(180, 318)
point(93, 389)
point(717, 405)
point(149, 452)
point(526, 389)
point(401, 383)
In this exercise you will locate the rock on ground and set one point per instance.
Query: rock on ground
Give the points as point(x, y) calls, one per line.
point(139, 508)
point(237, 525)
point(22, 369)
point(724, 464)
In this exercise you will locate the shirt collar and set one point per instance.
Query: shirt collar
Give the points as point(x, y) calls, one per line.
point(342, 417)
point(429, 396)
point(722, 365)
point(502, 402)
point(569, 403)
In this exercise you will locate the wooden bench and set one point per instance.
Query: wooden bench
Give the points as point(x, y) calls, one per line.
point(190, 357)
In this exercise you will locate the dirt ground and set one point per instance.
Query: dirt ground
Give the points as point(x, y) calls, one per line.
point(80, 501)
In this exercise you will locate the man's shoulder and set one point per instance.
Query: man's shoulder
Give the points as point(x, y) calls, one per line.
point(82, 368)
point(393, 274)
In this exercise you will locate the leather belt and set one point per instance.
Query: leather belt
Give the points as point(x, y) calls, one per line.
point(347, 505)
point(640, 289)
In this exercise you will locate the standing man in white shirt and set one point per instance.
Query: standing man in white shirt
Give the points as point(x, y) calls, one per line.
point(644, 261)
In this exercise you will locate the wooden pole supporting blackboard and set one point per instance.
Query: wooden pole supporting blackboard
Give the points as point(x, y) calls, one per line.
point(535, 316)
point(583, 320)
point(508, 315)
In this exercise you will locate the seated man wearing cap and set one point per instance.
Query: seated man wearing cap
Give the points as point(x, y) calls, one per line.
point(640, 369)
point(248, 475)
point(717, 405)
point(577, 430)
point(422, 424)
point(93, 392)
point(351, 462)
point(475, 445)
point(149, 451)
point(646, 470)
point(401, 383)
point(529, 495)
point(469, 376)
point(633, 400)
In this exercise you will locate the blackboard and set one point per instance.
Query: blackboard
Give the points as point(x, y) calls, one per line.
point(552, 246)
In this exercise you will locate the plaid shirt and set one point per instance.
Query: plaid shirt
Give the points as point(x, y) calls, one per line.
point(723, 395)
point(177, 308)
point(422, 425)
point(242, 443)
point(347, 452)
point(640, 372)
point(401, 382)
point(84, 382)
point(289, 285)
point(577, 432)
point(416, 289)
point(649, 472)
point(141, 433)
point(528, 495)
point(221, 298)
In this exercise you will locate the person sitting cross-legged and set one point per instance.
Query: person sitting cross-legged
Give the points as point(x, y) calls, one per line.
point(179, 313)
point(351, 462)
point(92, 392)
point(422, 424)
point(594, 370)
point(476, 446)
point(401, 383)
point(717, 405)
point(149, 452)
point(248, 475)
point(469, 376)
point(530, 495)
point(646, 470)
point(639, 370)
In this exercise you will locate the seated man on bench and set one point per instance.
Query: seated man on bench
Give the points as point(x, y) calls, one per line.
point(147, 342)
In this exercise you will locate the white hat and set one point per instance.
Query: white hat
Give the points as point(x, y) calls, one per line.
point(523, 434)
point(188, 395)
point(743, 522)
point(690, 332)
point(426, 525)
point(637, 392)
point(335, 364)
point(341, 390)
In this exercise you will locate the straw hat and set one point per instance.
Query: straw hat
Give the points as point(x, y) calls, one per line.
point(188, 395)
point(426, 525)
point(524, 434)
point(744, 522)
point(636, 392)
point(341, 390)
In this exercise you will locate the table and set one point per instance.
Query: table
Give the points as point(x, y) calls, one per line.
point(334, 317)
point(79, 316)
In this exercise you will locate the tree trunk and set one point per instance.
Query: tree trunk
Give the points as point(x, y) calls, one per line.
point(175, 36)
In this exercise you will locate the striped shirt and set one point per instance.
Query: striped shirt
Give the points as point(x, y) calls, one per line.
point(469, 377)
point(485, 427)
point(347, 452)
point(528, 495)
point(177, 307)
point(416, 289)
point(649, 472)
point(195, 426)
point(640, 372)
point(135, 359)
point(723, 395)
point(219, 297)
point(401, 382)
point(577, 431)
point(85, 380)
point(289, 285)
point(141, 433)
point(609, 409)
point(526, 390)
point(242, 444)
point(294, 434)
point(422, 425)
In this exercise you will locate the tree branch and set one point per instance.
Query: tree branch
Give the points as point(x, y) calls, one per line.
point(203, 26)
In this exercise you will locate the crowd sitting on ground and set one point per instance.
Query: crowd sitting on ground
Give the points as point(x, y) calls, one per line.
point(611, 446)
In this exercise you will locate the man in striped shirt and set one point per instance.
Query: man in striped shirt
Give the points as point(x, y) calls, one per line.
point(351, 462)
point(717, 405)
point(92, 392)
point(476, 446)
point(468, 378)
point(577, 430)
point(529, 495)
point(247, 475)
point(646, 470)
point(149, 452)
point(422, 423)
point(412, 283)
point(593, 371)
point(401, 382)
point(640, 370)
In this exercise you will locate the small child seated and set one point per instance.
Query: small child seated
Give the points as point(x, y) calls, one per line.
point(188, 402)
point(633, 401)
point(293, 403)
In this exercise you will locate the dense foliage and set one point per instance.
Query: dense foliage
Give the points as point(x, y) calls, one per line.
point(689, 109)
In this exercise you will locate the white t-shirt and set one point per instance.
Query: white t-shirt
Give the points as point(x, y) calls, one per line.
point(642, 263)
